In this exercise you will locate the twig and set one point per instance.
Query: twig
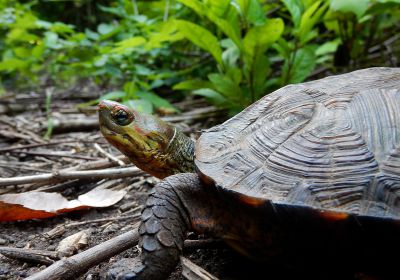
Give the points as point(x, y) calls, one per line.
point(108, 155)
point(104, 220)
point(192, 271)
point(62, 175)
point(72, 267)
point(28, 255)
point(50, 154)
point(98, 164)
point(8, 149)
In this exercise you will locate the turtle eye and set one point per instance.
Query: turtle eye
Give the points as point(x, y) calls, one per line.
point(121, 117)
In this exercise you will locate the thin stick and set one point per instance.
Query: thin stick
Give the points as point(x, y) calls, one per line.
point(28, 255)
point(8, 149)
point(50, 154)
point(111, 173)
point(108, 155)
point(135, 216)
point(72, 267)
point(192, 271)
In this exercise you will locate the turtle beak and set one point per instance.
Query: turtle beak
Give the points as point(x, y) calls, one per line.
point(104, 108)
point(106, 105)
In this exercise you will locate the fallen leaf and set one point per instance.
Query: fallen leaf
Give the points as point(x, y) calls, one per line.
point(71, 244)
point(39, 205)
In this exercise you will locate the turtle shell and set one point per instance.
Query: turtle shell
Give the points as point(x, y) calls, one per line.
point(329, 144)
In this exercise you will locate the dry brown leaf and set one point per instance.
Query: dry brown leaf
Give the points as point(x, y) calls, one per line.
point(71, 244)
point(39, 205)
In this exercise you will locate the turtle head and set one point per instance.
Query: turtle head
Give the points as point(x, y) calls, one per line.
point(150, 143)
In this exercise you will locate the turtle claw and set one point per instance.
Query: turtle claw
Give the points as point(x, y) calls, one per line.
point(125, 269)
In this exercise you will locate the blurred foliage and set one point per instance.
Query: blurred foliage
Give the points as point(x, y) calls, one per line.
point(230, 51)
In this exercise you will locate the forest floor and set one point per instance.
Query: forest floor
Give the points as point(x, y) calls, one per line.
point(75, 142)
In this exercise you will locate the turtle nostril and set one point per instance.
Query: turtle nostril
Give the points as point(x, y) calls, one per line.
point(101, 105)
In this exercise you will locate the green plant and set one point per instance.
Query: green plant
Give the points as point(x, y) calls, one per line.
point(239, 40)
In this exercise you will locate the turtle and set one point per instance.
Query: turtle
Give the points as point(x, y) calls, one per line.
point(311, 168)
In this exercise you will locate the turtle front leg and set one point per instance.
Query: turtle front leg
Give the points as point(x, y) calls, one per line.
point(165, 221)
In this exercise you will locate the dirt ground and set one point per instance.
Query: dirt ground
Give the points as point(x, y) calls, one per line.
point(23, 121)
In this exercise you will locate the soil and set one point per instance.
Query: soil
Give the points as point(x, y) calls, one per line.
point(24, 121)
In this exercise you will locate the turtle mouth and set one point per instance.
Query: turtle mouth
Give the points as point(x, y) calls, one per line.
point(107, 126)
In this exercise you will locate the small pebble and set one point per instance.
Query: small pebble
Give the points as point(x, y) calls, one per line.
point(3, 241)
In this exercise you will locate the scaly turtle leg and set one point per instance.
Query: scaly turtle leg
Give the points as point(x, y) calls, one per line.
point(179, 203)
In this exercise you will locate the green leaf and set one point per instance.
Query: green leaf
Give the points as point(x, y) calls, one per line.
point(168, 32)
point(357, 7)
point(295, 8)
point(195, 5)
point(104, 28)
point(140, 105)
point(12, 64)
point(201, 37)
point(38, 50)
point(252, 11)
point(213, 96)
point(302, 66)
point(261, 71)
point(51, 40)
point(225, 86)
point(156, 101)
point(218, 8)
point(308, 20)
point(192, 85)
point(22, 52)
point(259, 38)
point(328, 47)
point(231, 30)
point(113, 95)
point(127, 45)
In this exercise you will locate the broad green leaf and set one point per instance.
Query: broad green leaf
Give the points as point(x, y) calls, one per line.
point(140, 105)
point(218, 8)
point(259, 38)
point(308, 20)
point(12, 64)
point(252, 11)
point(328, 47)
point(234, 74)
point(231, 30)
point(303, 64)
point(104, 28)
point(127, 45)
point(195, 5)
point(156, 100)
point(168, 32)
point(213, 96)
point(51, 40)
point(130, 89)
point(358, 7)
point(20, 35)
point(231, 55)
point(27, 21)
point(192, 85)
point(113, 95)
point(225, 86)
point(60, 27)
point(201, 37)
point(22, 52)
point(295, 8)
point(38, 50)
point(261, 71)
